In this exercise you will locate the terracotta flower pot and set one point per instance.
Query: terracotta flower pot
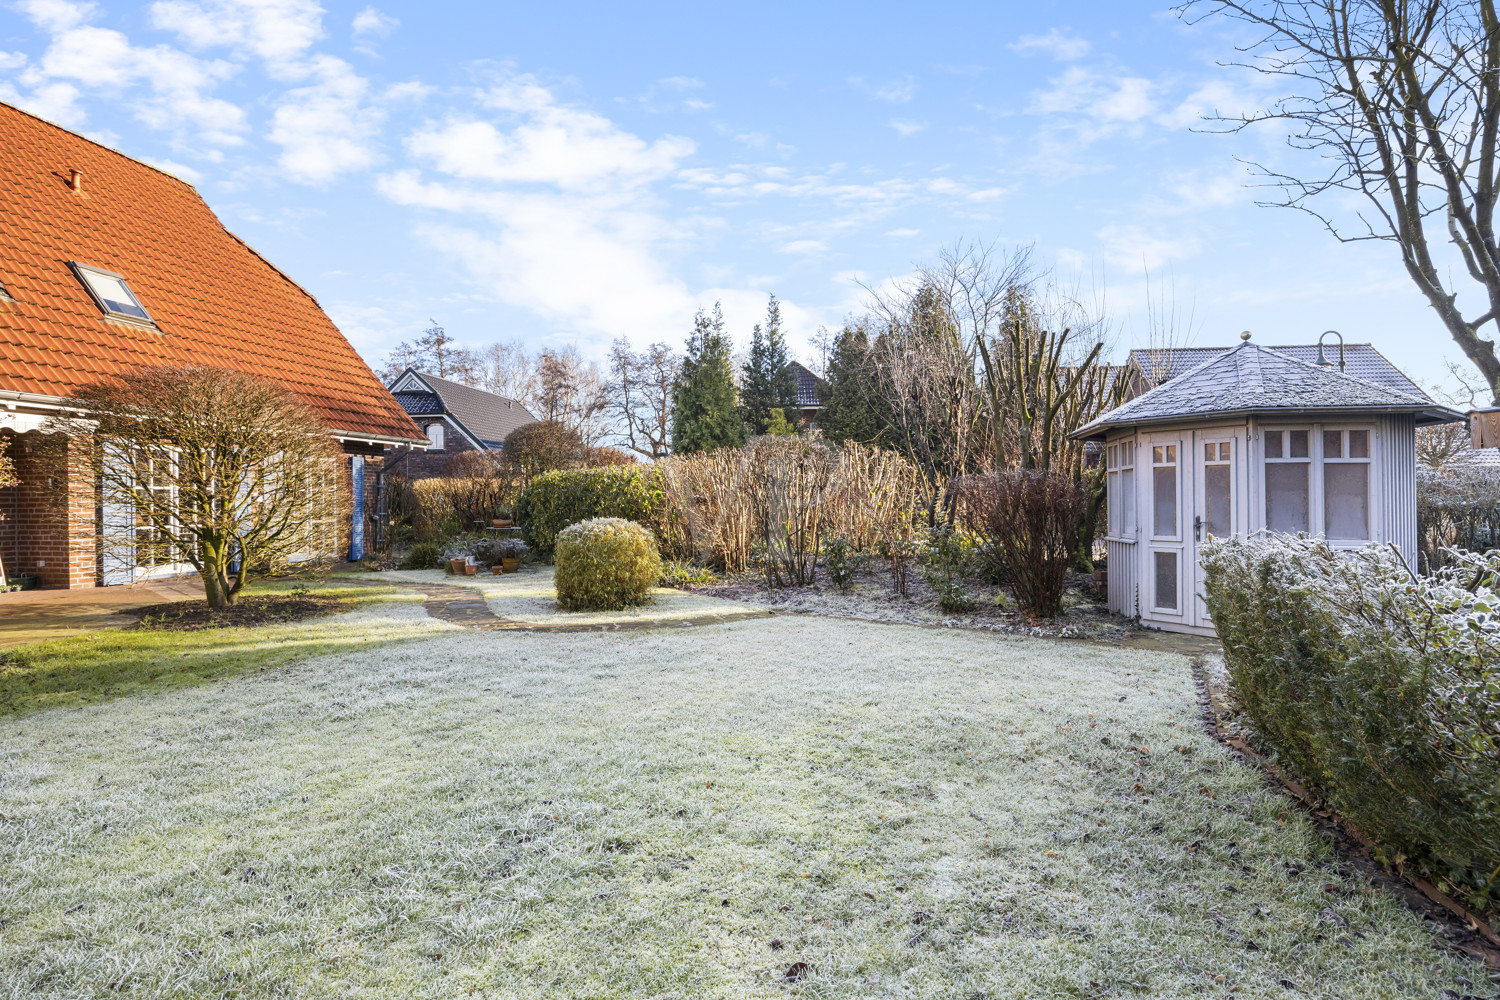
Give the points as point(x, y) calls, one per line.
point(496, 569)
point(502, 522)
point(456, 566)
point(470, 569)
point(511, 564)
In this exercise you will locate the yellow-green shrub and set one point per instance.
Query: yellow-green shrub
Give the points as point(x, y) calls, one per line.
point(605, 563)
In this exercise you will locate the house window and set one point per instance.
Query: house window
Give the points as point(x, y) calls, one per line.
point(435, 435)
point(1346, 484)
point(1164, 490)
point(111, 293)
point(1288, 467)
point(1120, 472)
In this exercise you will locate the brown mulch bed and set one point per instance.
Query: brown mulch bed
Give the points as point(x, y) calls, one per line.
point(272, 609)
point(1452, 922)
point(871, 598)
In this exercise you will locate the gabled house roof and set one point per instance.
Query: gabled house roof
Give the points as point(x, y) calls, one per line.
point(484, 417)
point(1158, 365)
point(809, 396)
point(1251, 379)
point(210, 299)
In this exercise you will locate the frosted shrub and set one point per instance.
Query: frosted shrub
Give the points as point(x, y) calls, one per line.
point(604, 564)
point(1377, 687)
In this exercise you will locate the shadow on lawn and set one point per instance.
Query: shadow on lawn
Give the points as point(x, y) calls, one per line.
point(99, 666)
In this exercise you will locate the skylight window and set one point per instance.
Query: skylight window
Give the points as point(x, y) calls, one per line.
point(112, 293)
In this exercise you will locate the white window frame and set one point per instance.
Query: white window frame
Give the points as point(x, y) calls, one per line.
point(440, 440)
point(1368, 462)
point(82, 272)
point(1316, 514)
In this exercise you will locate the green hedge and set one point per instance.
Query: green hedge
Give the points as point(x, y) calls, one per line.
point(1378, 688)
point(559, 498)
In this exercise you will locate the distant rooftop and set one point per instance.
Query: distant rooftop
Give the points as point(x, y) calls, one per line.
point(487, 416)
point(808, 396)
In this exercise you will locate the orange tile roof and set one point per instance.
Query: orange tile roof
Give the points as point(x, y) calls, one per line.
point(216, 301)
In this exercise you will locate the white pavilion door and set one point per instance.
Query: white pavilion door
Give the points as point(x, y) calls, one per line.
point(1218, 501)
point(1164, 470)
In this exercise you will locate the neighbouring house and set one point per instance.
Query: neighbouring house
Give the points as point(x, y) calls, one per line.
point(1249, 440)
point(108, 264)
point(809, 394)
point(455, 417)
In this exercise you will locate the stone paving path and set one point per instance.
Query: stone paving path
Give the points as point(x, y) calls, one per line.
point(468, 607)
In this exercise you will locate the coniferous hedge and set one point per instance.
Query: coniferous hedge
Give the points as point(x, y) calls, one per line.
point(1376, 687)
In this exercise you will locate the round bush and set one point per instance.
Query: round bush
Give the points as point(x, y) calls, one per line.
point(605, 563)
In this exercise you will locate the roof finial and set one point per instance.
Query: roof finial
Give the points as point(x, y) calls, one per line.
point(1245, 335)
point(75, 180)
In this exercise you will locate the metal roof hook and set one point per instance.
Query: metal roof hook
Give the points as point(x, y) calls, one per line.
point(1322, 359)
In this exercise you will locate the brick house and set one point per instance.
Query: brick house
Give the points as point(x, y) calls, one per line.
point(455, 417)
point(107, 264)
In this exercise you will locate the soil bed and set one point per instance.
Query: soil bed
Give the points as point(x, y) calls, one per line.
point(272, 609)
point(871, 597)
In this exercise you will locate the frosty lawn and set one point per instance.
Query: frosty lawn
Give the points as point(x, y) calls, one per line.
point(909, 812)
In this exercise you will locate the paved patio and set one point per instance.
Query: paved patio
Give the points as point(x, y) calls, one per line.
point(33, 615)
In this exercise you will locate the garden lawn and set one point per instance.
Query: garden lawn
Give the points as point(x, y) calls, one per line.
point(883, 810)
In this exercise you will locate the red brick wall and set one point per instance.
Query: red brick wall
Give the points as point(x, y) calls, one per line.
point(415, 464)
point(50, 517)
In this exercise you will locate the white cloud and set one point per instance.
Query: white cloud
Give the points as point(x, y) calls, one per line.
point(1104, 98)
point(374, 22)
point(571, 229)
point(903, 234)
point(176, 169)
point(82, 57)
point(1131, 247)
point(277, 31)
point(804, 247)
point(898, 91)
point(905, 126)
point(326, 129)
point(12, 60)
point(1054, 43)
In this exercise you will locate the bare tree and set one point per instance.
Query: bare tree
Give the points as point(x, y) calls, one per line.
point(640, 395)
point(1400, 99)
point(435, 353)
point(926, 374)
point(217, 468)
point(510, 373)
point(571, 391)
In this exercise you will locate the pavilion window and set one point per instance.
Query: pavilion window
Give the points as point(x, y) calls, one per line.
point(1164, 490)
point(1346, 485)
point(1288, 481)
point(1120, 472)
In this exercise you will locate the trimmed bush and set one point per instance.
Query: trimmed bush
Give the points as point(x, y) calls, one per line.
point(562, 497)
point(1378, 688)
point(605, 563)
point(423, 555)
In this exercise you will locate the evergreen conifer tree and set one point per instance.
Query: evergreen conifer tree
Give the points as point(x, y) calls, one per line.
point(768, 381)
point(852, 407)
point(704, 415)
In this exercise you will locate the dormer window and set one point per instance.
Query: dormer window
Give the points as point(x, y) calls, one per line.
point(111, 293)
point(435, 435)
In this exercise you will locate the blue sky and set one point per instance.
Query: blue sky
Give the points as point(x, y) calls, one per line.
point(575, 172)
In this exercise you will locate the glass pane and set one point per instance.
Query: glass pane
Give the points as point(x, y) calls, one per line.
point(114, 294)
point(1224, 451)
point(1210, 452)
point(1359, 444)
point(1333, 444)
point(1296, 444)
point(1286, 497)
point(1273, 444)
point(1172, 453)
point(1346, 500)
point(1112, 501)
point(1127, 509)
point(1164, 485)
point(1216, 501)
point(1110, 461)
point(1166, 580)
point(1158, 454)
